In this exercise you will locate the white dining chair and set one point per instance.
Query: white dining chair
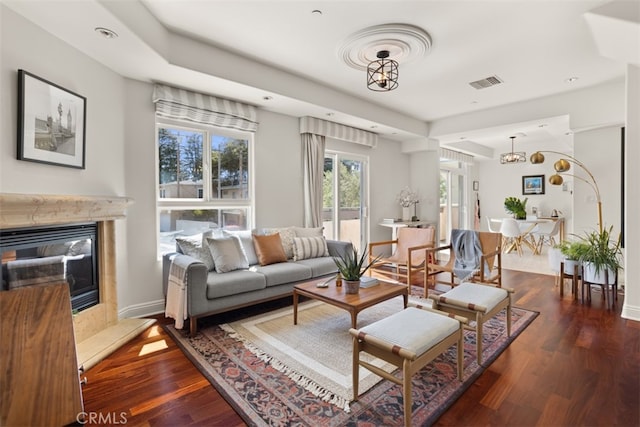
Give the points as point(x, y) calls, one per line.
point(512, 235)
point(494, 224)
point(545, 232)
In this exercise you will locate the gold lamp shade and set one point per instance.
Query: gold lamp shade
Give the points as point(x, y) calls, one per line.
point(562, 165)
point(537, 158)
point(555, 179)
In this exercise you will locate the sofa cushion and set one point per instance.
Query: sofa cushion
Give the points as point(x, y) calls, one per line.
point(309, 247)
point(320, 266)
point(227, 253)
point(196, 247)
point(269, 249)
point(246, 239)
point(284, 272)
point(286, 237)
point(233, 283)
point(308, 231)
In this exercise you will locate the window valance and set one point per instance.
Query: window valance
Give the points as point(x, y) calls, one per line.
point(456, 155)
point(337, 131)
point(181, 104)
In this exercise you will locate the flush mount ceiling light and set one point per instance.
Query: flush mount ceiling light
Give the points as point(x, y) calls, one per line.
point(382, 74)
point(371, 47)
point(513, 156)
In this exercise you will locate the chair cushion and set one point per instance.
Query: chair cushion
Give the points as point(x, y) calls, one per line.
point(486, 296)
point(427, 329)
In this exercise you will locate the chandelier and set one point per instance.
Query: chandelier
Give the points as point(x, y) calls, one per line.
point(513, 156)
point(382, 74)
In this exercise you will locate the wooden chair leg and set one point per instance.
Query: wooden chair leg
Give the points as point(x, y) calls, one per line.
point(406, 391)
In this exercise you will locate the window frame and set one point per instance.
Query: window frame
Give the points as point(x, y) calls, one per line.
point(207, 202)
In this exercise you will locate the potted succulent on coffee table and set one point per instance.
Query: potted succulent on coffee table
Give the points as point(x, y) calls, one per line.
point(352, 266)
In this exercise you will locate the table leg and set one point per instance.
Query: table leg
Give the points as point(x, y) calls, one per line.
point(295, 307)
point(405, 297)
point(354, 316)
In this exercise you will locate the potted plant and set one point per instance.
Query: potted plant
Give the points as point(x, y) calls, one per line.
point(572, 252)
point(517, 207)
point(352, 266)
point(601, 258)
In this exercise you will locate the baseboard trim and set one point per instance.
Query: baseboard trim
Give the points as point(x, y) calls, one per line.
point(142, 310)
point(630, 312)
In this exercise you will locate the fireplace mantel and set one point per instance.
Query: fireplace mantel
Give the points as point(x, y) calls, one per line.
point(98, 331)
point(28, 210)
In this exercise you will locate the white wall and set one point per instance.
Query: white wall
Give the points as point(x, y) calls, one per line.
point(600, 151)
point(26, 46)
point(499, 181)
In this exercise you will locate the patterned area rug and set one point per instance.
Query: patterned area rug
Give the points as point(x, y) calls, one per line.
point(275, 377)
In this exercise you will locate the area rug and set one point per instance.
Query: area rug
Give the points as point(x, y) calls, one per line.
point(272, 373)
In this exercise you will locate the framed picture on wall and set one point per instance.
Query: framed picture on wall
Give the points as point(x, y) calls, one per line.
point(533, 184)
point(51, 123)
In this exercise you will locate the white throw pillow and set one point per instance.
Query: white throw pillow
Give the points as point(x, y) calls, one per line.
point(227, 253)
point(196, 247)
point(246, 239)
point(309, 247)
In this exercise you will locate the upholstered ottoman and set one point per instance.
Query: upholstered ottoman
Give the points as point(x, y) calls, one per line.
point(408, 347)
point(478, 302)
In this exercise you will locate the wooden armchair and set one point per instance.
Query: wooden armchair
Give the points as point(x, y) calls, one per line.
point(490, 268)
point(409, 257)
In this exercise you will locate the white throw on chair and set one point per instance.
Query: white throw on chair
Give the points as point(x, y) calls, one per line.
point(512, 235)
point(545, 232)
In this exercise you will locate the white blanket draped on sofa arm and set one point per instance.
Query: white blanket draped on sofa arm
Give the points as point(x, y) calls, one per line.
point(176, 304)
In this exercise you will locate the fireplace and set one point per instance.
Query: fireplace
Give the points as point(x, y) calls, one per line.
point(98, 330)
point(39, 255)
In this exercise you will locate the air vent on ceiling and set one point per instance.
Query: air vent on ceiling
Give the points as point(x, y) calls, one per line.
point(486, 82)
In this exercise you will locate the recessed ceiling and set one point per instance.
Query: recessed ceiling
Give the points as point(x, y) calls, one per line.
point(533, 46)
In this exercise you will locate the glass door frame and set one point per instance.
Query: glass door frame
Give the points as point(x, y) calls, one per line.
point(460, 172)
point(337, 157)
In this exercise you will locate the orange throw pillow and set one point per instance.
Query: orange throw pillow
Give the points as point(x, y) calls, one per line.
point(269, 249)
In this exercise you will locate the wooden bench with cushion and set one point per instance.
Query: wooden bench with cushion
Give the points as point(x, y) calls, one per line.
point(409, 348)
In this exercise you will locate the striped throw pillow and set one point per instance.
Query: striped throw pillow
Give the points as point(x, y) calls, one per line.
point(309, 247)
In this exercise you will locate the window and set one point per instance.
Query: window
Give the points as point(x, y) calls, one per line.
point(196, 194)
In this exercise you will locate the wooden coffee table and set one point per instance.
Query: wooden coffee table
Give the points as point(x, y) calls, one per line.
point(353, 303)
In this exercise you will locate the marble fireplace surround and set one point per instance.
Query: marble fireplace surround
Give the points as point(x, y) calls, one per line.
point(98, 331)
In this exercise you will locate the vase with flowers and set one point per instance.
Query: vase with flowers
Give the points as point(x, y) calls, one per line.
point(408, 199)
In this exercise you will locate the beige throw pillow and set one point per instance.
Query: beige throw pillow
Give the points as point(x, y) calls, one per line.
point(269, 249)
point(286, 237)
point(308, 231)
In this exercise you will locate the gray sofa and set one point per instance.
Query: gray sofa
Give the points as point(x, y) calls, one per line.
point(210, 292)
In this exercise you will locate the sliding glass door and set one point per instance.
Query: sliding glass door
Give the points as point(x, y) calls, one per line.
point(454, 207)
point(345, 198)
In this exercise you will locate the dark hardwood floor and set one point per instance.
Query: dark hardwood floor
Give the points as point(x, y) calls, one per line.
point(574, 365)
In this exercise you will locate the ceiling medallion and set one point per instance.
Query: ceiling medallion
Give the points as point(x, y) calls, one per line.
point(404, 43)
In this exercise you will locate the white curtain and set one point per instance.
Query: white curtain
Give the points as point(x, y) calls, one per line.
point(181, 104)
point(313, 152)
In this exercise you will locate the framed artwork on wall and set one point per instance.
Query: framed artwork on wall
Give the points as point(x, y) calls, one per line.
point(51, 123)
point(533, 184)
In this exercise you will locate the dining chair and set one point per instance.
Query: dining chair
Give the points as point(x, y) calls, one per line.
point(409, 257)
point(545, 232)
point(494, 224)
point(512, 235)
